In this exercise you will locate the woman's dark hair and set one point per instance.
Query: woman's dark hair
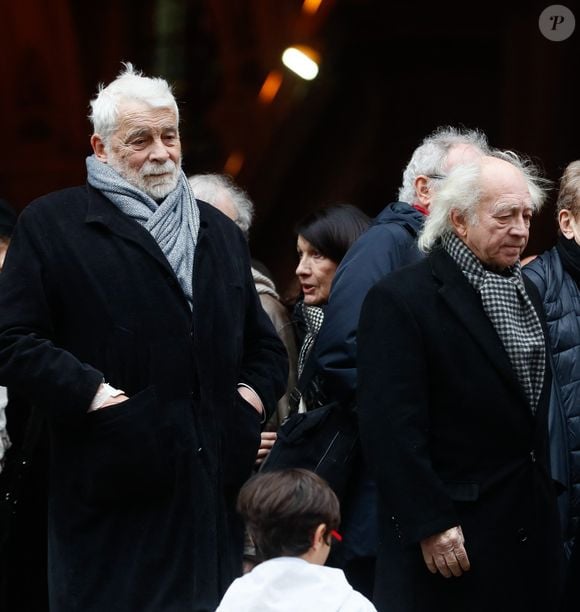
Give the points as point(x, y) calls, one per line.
point(332, 229)
point(282, 510)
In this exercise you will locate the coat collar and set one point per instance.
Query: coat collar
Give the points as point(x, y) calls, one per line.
point(102, 211)
point(466, 305)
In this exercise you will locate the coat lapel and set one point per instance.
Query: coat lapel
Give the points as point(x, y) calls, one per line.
point(466, 305)
point(103, 212)
point(532, 291)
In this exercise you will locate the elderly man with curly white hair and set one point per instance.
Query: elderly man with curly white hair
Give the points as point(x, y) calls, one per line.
point(453, 390)
point(128, 316)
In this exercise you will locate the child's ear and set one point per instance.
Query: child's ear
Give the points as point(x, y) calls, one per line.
point(318, 539)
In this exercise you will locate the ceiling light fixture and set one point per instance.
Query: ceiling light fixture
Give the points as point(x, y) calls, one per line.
point(302, 60)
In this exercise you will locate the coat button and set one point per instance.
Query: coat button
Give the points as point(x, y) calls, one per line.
point(522, 535)
point(533, 456)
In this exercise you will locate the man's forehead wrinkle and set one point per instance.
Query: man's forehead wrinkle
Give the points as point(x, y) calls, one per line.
point(140, 130)
point(512, 200)
point(510, 205)
point(137, 117)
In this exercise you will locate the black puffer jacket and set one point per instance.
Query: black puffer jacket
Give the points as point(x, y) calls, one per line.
point(561, 297)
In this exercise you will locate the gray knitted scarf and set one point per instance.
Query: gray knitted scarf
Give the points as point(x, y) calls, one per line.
point(511, 312)
point(173, 223)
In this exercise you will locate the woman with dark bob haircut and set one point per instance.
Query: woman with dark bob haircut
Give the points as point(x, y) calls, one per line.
point(323, 238)
point(333, 229)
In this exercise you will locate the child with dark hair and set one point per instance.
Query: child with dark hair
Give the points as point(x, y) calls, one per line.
point(292, 516)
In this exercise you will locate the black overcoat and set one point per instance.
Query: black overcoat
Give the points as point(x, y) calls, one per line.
point(453, 441)
point(137, 504)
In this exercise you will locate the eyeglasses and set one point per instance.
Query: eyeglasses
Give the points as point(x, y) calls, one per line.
point(437, 177)
point(336, 535)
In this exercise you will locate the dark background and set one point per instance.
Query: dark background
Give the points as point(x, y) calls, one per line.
point(391, 72)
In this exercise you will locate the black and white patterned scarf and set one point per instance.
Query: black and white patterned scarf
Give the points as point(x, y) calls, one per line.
point(174, 223)
point(313, 317)
point(511, 312)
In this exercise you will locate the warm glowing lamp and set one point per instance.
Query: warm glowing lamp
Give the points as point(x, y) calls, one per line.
point(270, 87)
point(311, 6)
point(302, 60)
point(234, 163)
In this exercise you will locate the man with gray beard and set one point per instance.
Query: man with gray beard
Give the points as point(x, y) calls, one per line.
point(129, 317)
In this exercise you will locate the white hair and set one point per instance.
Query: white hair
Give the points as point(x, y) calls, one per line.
point(130, 85)
point(461, 191)
point(211, 187)
point(430, 156)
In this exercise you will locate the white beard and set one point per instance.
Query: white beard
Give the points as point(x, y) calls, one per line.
point(155, 179)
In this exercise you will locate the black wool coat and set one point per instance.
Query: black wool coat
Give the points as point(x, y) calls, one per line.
point(138, 509)
point(452, 441)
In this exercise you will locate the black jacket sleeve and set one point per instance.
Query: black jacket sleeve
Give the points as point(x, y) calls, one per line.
point(393, 408)
point(30, 363)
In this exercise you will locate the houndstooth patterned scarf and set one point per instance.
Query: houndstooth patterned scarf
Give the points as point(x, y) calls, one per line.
point(313, 316)
point(511, 312)
point(174, 223)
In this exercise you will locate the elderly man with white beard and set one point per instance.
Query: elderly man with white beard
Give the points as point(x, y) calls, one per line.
point(129, 317)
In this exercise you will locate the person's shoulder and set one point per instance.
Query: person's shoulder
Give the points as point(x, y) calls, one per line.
point(412, 283)
point(386, 234)
point(61, 196)
point(357, 602)
point(394, 230)
point(538, 264)
point(213, 218)
point(274, 307)
point(207, 210)
point(546, 273)
point(408, 275)
point(346, 598)
point(211, 214)
point(55, 203)
point(235, 593)
point(400, 215)
point(545, 267)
